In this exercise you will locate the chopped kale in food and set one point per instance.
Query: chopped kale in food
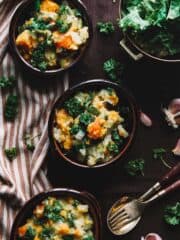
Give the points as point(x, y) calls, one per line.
point(38, 58)
point(73, 107)
point(172, 214)
point(113, 148)
point(46, 234)
point(62, 26)
point(105, 27)
point(91, 109)
point(86, 118)
point(11, 107)
point(75, 129)
point(30, 233)
point(116, 137)
point(11, 153)
point(135, 167)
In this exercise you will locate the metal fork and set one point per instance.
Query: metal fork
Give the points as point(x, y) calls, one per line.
point(129, 212)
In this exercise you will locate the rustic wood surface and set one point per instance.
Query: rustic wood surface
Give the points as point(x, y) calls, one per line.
point(152, 84)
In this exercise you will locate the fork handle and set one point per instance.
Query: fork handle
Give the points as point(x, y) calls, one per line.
point(171, 188)
point(174, 172)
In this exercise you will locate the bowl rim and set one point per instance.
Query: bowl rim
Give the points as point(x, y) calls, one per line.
point(22, 7)
point(88, 198)
point(134, 44)
point(71, 91)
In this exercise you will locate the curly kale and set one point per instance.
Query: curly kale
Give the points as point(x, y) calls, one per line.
point(75, 129)
point(116, 138)
point(30, 233)
point(135, 167)
point(62, 26)
point(113, 148)
point(172, 214)
point(86, 118)
point(105, 27)
point(91, 109)
point(113, 69)
point(11, 107)
point(73, 107)
point(51, 212)
point(11, 153)
point(46, 234)
point(38, 57)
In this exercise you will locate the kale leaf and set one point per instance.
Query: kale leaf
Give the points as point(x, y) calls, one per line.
point(86, 118)
point(6, 82)
point(73, 107)
point(134, 167)
point(113, 69)
point(38, 58)
point(11, 107)
point(11, 153)
point(159, 154)
point(172, 214)
point(105, 27)
point(30, 233)
point(113, 148)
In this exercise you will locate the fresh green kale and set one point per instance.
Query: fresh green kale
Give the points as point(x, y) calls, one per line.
point(11, 153)
point(11, 107)
point(38, 57)
point(160, 154)
point(73, 107)
point(113, 148)
point(172, 214)
point(30, 234)
point(135, 167)
point(6, 82)
point(113, 69)
point(105, 27)
point(86, 118)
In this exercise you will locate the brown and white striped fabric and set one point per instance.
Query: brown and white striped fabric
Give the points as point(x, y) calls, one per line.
point(24, 176)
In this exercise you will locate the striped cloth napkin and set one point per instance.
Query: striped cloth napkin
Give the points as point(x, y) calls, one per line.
point(24, 176)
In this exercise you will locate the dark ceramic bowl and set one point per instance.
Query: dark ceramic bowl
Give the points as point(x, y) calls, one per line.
point(125, 99)
point(83, 197)
point(21, 14)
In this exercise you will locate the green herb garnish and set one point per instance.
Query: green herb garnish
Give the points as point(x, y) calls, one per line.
point(172, 214)
point(11, 153)
point(6, 82)
point(11, 107)
point(113, 69)
point(159, 154)
point(105, 27)
point(135, 167)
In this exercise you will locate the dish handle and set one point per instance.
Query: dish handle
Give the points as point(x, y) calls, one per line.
point(134, 56)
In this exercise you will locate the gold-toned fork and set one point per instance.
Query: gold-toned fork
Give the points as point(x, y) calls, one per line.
point(126, 213)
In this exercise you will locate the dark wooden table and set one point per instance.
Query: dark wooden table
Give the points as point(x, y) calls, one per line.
point(152, 84)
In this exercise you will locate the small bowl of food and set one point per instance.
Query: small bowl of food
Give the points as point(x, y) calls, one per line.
point(50, 36)
point(59, 214)
point(93, 124)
